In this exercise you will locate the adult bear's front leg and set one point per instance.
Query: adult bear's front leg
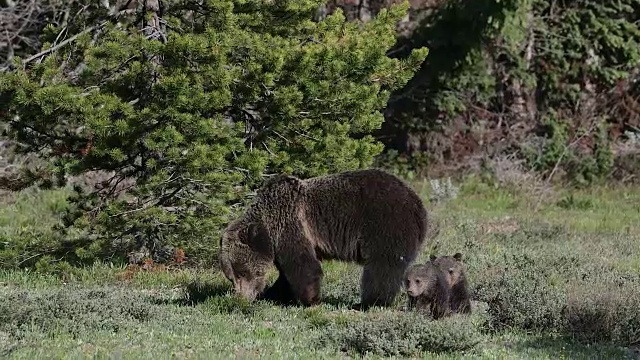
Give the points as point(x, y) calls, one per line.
point(297, 262)
point(280, 292)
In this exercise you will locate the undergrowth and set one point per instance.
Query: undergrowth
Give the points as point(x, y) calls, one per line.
point(405, 334)
point(567, 274)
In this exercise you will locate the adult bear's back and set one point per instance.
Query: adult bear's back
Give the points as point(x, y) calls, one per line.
point(357, 215)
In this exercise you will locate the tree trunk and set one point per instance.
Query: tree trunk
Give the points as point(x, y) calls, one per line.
point(523, 104)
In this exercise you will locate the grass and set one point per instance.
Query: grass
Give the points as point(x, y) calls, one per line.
point(553, 279)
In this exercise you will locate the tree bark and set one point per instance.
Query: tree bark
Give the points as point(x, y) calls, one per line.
point(523, 104)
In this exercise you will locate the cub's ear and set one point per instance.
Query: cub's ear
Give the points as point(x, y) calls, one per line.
point(432, 257)
point(258, 239)
point(458, 256)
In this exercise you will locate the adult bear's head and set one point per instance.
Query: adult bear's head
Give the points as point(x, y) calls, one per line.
point(246, 252)
point(247, 244)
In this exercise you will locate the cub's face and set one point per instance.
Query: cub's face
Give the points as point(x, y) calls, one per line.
point(417, 280)
point(246, 252)
point(452, 266)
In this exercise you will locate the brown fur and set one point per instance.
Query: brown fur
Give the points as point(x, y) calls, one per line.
point(428, 289)
point(453, 267)
point(369, 217)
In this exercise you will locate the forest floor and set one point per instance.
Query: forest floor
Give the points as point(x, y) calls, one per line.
point(554, 275)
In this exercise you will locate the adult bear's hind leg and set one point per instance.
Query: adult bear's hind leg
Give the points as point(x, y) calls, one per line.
point(380, 284)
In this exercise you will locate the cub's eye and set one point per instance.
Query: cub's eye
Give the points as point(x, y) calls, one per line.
point(417, 281)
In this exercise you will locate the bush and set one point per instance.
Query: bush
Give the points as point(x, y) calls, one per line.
point(521, 295)
point(189, 113)
point(607, 312)
point(26, 234)
point(406, 334)
point(548, 284)
point(75, 310)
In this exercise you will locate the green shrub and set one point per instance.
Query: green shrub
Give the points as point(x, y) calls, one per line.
point(26, 234)
point(479, 74)
point(405, 334)
point(74, 309)
point(189, 122)
point(548, 279)
point(522, 298)
point(605, 311)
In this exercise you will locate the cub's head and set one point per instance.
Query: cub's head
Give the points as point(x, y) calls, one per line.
point(452, 266)
point(420, 279)
point(246, 252)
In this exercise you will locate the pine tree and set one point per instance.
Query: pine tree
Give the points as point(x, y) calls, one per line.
point(191, 104)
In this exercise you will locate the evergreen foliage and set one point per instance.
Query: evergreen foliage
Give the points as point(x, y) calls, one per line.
point(505, 75)
point(189, 108)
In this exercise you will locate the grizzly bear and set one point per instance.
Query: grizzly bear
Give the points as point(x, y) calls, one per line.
point(428, 289)
point(453, 267)
point(368, 217)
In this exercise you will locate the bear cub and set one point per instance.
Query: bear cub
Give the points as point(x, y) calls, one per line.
point(428, 289)
point(455, 273)
point(440, 285)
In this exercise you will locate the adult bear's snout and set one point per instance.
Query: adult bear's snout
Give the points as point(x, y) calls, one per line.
point(248, 289)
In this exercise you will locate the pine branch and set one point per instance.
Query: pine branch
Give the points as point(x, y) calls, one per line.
point(63, 43)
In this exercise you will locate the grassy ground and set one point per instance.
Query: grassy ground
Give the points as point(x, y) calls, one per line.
point(553, 277)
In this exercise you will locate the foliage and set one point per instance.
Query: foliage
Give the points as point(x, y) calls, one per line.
point(519, 76)
point(522, 297)
point(559, 150)
point(554, 285)
point(442, 191)
point(186, 113)
point(551, 297)
point(606, 312)
point(77, 310)
point(26, 223)
point(405, 335)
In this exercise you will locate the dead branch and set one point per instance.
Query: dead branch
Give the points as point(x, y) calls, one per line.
point(63, 43)
point(21, 23)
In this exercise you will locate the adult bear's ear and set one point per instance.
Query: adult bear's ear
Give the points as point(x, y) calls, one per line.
point(432, 257)
point(281, 183)
point(258, 239)
point(458, 256)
